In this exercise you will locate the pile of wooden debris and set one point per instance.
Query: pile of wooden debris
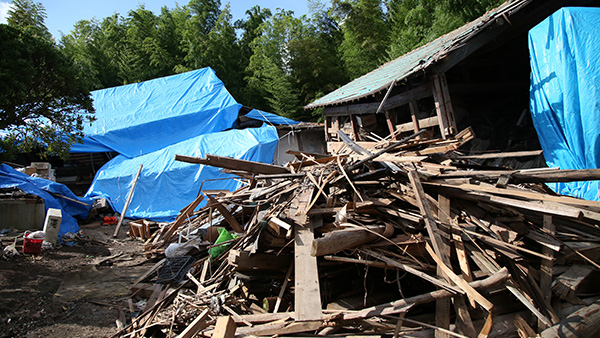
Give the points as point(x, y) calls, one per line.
point(405, 238)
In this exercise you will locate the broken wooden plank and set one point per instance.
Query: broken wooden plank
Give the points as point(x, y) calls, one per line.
point(283, 287)
point(372, 157)
point(129, 197)
point(566, 284)
point(185, 214)
point(546, 267)
point(555, 210)
point(499, 155)
point(235, 225)
point(279, 328)
point(430, 223)
point(307, 294)
point(469, 291)
point(442, 306)
point(234, 164)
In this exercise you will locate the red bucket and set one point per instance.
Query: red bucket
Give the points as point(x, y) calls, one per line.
point(32, 245)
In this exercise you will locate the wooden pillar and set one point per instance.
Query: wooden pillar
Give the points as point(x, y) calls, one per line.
point(443, 105)
point(327, 127)
point(413, 115)
point(391, 125)
point(547, 267)
point(442, 306)
point(355, 127)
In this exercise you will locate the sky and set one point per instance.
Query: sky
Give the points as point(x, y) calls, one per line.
point(63, 14)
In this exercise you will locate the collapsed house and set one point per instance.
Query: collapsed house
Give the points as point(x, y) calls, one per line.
point(479, 76)
point(396, 231)
point(146, 124)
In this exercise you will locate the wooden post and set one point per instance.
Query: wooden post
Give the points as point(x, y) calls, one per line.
point(413, 115)
point(443, 105)
point(442, 306)
point(547, 267)
point(129, 196)
point(391, 125)
point(327, 126)
point(355, 127)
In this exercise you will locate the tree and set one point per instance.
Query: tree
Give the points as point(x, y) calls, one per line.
point(29, 16)
point(416, 22)
point(42, 102)
point(223, 53)
point(251, 29)
point(365, 34)
point(202, 18)
point(269, 68)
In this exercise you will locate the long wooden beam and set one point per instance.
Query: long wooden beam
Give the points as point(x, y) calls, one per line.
point(234, 164)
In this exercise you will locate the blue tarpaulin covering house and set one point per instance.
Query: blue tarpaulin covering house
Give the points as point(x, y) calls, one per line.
point(565, 93)
point(149, 123)
point(140, 118)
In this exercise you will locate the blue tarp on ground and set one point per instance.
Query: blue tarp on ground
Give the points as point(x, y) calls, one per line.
point(565, 93)
point(10, 178)
point(166, 186)
point(140, 118)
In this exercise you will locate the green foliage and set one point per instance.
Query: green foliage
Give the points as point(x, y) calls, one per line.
point(365, 32)
point(29, 16)
point(417, 22)
point(42, 103)
point(277, 63)
point(222, 53)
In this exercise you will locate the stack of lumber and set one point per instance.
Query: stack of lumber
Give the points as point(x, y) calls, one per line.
point(404, 238)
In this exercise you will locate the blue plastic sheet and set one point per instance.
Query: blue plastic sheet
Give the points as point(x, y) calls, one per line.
point(166, 186)
point(10, 178)
point(140, 118)
point(565, 93)
point(270, 118)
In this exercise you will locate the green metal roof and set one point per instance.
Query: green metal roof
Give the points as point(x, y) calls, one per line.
point(414, 61)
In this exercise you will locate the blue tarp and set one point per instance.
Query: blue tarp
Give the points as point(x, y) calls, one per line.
point(565, 93)
point(270, 118)
point(140, 118)
point(166, 186)
point(10, 178)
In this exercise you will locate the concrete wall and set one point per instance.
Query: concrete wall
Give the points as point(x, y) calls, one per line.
point(23, 214)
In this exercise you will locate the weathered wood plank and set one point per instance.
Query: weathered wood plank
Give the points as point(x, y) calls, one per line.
point(307, 294)
point(499, 155)
point(129, 197)
point(234, 164)
point(225, 328)
point(235, 225)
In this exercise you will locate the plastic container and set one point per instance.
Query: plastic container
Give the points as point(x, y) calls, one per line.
point(32, 245)
point(52, 225)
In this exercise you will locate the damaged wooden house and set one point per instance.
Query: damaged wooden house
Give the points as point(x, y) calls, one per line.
point(401, 229)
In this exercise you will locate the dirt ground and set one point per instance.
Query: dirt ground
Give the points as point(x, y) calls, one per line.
point(71, 291)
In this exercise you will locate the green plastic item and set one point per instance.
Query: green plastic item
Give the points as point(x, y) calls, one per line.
point(217, 249)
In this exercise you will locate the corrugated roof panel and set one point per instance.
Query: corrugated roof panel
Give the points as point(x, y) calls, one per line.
point(400, 68)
